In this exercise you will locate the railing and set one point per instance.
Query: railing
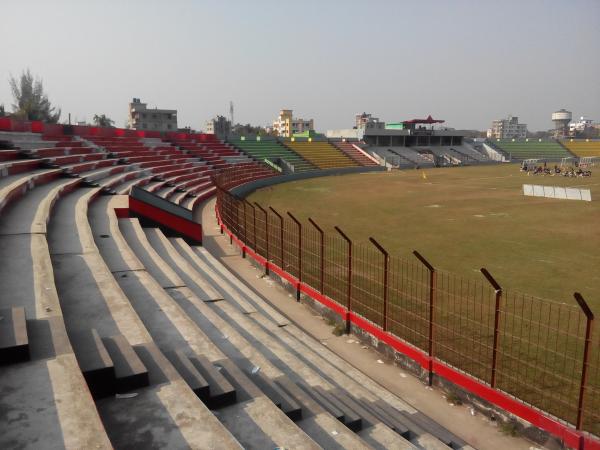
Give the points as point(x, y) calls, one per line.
point(523, 353)
point(271, 164)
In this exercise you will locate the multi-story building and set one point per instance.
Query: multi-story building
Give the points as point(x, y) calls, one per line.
point(580, 126)
point(218, 125)
point(508, 128)
point(367, 121)
point(142, 118)
point(286, 125)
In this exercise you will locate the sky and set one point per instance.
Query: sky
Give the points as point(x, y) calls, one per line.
point(465, 61)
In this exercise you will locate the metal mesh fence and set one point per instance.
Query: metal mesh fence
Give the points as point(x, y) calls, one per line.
point(532, 349)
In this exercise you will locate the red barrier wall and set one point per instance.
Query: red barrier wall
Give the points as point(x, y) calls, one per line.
point(188, 229)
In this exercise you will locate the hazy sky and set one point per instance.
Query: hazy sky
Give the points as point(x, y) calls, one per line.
point(464, 61)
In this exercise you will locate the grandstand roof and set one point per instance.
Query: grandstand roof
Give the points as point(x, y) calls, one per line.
point(428, 120)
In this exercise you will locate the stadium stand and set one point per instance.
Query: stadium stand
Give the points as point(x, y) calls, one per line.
point(531, 149)
point(114, 335)
point(272, 151)
point(357, 155)
point(582, 148)
point(403, 156)
point(321, 154)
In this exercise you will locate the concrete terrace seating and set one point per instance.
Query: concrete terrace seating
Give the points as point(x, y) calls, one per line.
point(272, 150)
point(350, 150)
point(402, 156)
point(78, 338)
point(114, 335)
point(211, 150)
point(269, 358)
point(447, 155)
point(582, 148)
point(532, 149)
point(322, 154)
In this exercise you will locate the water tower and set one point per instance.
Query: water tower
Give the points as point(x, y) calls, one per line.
point(561, 119)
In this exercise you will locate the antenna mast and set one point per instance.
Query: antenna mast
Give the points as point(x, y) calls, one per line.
point(231, 112)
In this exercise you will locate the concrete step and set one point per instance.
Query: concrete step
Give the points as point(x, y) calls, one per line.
point(435, 429)
point(242, 322)
point(130, 372)
point(350, 417)
point(165, 414)
point(331, 407)
point(32, 213)
point(13, 187)
point(399, 422)
point(190, 374)
point(374, 430)
point(225, 273)
point(282, 399)
point(162, 272)
point(14, 343)
point(95, 362)
point(221, 392)
point(163, 246)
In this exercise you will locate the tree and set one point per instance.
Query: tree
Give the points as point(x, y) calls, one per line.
point(2, 112)
point(103, 121)
point(31, 103)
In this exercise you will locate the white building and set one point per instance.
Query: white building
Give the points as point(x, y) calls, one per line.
point(286, 125)
point(142, 118)
point(581, 125)
point(508, 128)
point(364, 121)
point(218, 125)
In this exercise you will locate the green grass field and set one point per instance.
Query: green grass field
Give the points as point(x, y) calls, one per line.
point(462, 219)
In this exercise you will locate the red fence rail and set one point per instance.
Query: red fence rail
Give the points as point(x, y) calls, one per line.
point(538, 358)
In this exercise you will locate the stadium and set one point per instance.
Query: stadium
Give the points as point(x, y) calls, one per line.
point(400, 284)
point(107, 224)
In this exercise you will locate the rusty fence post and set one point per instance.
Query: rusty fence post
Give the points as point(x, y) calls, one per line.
point(349, 293)
point(498, 290)
point(253, 224)
point(280, 235)
point(589, 315)
point(244, 240)
point(266, 236)
point(432, 298)
point(219, 207)
point(299, 254)
point(237, 221)
point(386, 258)
point(321, 255)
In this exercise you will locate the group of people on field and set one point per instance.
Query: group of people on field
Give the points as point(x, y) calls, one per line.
point(555, 171)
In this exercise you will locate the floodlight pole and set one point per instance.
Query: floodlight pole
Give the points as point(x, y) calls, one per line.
point(498, 290)
point(589, 315)
point(266, 235)
point(349, 292)
point(432, 297)
point(386, 258)
point(321, 254)
point(299, 254)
